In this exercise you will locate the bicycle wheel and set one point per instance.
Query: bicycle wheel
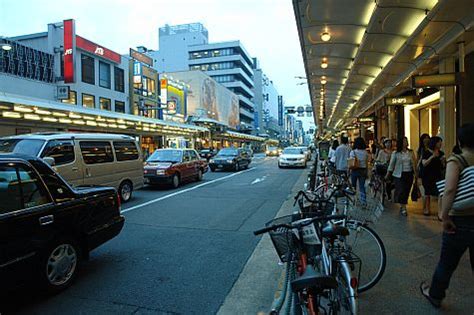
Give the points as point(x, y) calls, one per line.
point(364, 242)
point(346, 294)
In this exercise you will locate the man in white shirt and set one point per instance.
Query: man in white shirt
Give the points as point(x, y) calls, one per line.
point(342, 154)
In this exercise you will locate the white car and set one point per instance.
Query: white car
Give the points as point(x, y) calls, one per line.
point(307, 152)
point(292, 156)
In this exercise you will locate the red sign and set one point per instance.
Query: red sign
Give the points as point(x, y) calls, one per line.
point(69, 50)
point(97, 50)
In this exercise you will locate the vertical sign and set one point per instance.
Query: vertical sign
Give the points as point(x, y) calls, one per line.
point(280, 110)
point(137, 72)
point(164, 93)
point(69, 50)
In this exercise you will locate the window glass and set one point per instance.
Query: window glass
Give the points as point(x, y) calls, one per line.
point(88, 100)
point(119, 79)
point(9, 189)
point(61, 150)
point(126, 150)
point(165, 155)
point(57, 186)
point(25, 146)
point(95, 152)
point(186, 156)
point(87, 69)
point(105, 103)
point(193, 155)
point(34, 193)
point(104, 75)
point(72, 98)
point(119, 107)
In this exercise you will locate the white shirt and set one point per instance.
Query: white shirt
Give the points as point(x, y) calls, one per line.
point(332, 155)
point(361, 156)
point(406, 162)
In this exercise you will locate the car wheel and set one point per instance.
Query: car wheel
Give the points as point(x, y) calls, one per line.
point(236, 167)
point(199, 175)
point(58, 265)
point(125, 191)
point(175, 181)
point(279, 165)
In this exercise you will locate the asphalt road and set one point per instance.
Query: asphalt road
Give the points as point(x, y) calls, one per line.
point(180, 250)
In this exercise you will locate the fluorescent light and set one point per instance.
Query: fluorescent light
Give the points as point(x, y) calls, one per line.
point(11, 115)
point(113, 125)
point(59, 114)
point(102, 125)
point(22, 109)
point(79, 122)
point(42, 112)
point(72, 115)
point(91, 123)
point(32, 117)
point(87, 117)
point(65, 121)
point(50, 119)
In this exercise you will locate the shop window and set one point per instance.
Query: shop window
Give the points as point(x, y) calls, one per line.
point(72, 98)
point(119, 79)
point(119, 107)
point(88, 100)
point(104, 75)
point(87, 69)
point(126, 150)
point(105, 103)
point(96, 152)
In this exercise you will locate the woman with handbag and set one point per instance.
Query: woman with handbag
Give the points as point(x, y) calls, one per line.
point(457, 212)
point(403, 169)
point(432, 163)
point(358, 159)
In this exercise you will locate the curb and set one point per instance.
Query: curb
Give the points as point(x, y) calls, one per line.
point(261, 278)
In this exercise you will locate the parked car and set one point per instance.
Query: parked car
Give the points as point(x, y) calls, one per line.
point(292, 156)
point(207, 153)
point(86, 159)
point(230, 158)
point(174, 166)
point(272, 151)
point(47, 226)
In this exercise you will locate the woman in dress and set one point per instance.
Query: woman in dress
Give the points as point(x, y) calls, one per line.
point(433, 162)
point(403, 169)
point(422, 148)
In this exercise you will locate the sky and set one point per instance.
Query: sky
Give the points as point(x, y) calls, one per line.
point(266, 28)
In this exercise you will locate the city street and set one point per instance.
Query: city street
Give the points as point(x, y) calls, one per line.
point(180, 250)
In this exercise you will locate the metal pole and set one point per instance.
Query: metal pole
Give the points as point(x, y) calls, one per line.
point(460, 87)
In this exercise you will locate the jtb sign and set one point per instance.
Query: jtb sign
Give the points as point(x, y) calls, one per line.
point(69, 50)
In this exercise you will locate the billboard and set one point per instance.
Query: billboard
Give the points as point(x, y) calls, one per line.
point(208, 99)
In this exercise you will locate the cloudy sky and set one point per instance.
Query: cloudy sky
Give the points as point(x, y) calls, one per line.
point(266, 28)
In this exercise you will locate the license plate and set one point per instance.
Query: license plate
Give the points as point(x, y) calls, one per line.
point(310, 236)
point(220, 166)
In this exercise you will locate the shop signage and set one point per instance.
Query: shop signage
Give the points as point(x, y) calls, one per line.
point(69, 50)
point(137, 72)
point(63, 92)
point(141, 57)
point(97, 50)
point(171, 107)
point(402, 100)
point(366, 119)
point(443, 79)
point(164, 93)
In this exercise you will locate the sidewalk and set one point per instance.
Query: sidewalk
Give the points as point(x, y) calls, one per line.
point(412, 244)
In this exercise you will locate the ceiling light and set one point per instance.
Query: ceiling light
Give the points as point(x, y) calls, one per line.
point(324, 63)
point(325, 36)
point(323, 80)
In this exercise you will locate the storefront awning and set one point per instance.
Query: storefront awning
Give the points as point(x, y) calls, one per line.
point(35, 110)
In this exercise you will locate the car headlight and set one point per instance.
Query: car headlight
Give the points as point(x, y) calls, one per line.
point(160, 172)
point(230, 161)
point(267, 152)
point(211, 161)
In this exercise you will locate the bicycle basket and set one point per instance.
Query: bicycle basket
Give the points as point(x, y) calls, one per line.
point(369, 211)
point(318, 206)
point(283, 239)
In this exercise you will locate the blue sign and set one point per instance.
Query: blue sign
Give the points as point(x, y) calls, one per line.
point(280, 110)
point(137, 68)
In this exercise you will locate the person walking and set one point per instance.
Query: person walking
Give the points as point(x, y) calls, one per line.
point(359, 172)
point(403, 169)
point(341, 156)
point(458, 223)
point(332, 153)
point(422, 148)
point(432, 162)
point(381, 165)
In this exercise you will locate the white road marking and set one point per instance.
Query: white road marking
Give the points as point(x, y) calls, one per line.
point(184, 190)
point(258, 180)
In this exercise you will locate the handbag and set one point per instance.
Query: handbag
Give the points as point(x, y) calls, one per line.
point(353, 162)
point(415, 192)
point(464, 198)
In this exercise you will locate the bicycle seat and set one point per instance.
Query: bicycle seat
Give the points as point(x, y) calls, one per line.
point(313, 279)
point(333, 230)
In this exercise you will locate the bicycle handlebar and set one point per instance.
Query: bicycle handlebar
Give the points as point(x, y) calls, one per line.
point(298, 225)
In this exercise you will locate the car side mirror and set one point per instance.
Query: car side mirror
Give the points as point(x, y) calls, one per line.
point(50, 161)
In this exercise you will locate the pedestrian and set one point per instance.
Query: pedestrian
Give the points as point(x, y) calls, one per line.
point(341, 156)
point(332, 153)
point(381, 165)
point(458, 222)
point(433, 162)
point(422, 148)
point(403, 169)
point(359, 172)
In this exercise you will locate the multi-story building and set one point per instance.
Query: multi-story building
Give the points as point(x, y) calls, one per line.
point(186, 47)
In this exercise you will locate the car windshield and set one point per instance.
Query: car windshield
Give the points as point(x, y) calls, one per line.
point(228, 152)
point(23, 146)
point(171, 156)
point(292, 151)
point(272, 148)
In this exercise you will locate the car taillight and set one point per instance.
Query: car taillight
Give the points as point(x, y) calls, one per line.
point(119, 203)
